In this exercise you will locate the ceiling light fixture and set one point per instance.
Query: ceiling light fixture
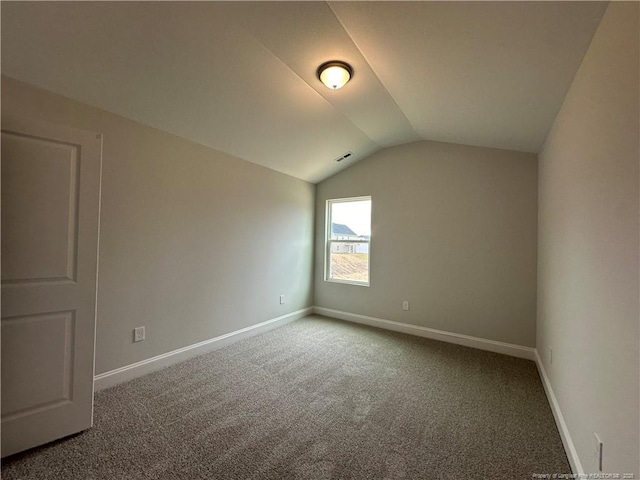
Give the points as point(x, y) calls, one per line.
point(335, 74)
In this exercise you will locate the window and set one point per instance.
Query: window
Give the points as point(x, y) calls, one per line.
point(348, 239)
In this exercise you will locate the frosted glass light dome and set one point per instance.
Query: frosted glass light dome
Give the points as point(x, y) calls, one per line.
point(335, 74)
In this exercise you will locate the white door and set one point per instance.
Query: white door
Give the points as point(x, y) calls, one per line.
point(50, 210)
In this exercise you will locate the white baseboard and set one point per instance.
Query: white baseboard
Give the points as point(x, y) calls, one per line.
point(450, 337)
point(129, 372)
point(569, 447)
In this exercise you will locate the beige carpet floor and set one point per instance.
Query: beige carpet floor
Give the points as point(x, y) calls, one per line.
point(316, 399)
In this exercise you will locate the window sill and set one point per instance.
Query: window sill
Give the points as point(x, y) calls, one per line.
point(348, 282)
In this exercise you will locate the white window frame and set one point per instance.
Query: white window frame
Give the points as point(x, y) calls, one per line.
point(328, 241)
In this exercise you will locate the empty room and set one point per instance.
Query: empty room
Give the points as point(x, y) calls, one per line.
point(320, 240)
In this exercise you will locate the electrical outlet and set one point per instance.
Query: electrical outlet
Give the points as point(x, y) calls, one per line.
point(138, 334)
point(281, 299)
point(550, 356)
point(405, 305)
point(597, 451)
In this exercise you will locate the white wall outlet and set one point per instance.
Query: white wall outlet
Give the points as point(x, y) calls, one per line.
point(550, 356)
point(138, 334)
point(281, 299)
point(405, 305)
point(597, 451)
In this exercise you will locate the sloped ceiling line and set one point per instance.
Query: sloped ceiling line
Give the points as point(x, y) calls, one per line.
point(304, 35)
point(355, 43)
point(313, 90)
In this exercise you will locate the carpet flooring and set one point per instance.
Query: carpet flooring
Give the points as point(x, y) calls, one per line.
point(316, 399)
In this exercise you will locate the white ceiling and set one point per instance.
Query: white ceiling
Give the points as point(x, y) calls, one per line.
point(241, 76)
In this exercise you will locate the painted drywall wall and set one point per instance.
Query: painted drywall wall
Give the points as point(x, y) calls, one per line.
point(194, 243)
point(588, 248)
point(453, 232)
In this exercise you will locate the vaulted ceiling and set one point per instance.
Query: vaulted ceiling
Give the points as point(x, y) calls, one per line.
point(240, 77)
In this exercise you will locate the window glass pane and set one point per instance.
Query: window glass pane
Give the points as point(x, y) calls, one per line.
point(350, 266)
point(351, 220)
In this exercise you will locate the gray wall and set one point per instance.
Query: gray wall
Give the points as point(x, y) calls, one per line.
point(588, 247)
point(194, 243)
point(453, 231)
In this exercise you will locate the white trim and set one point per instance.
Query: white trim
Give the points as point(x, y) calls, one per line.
point(129, 372)
point(348, 282)
point(569, 447)
point(95, 310)
point(361, 198)
point(450, 337)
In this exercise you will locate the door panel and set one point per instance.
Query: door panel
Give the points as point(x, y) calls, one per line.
point(36, 346)
point(50, 217)
point(39, 207)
